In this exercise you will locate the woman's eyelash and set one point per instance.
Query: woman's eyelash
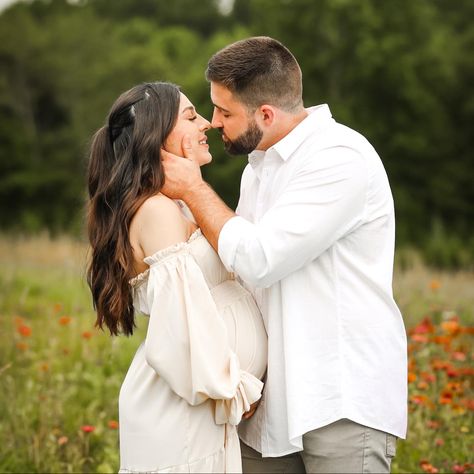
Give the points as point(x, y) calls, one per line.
point(193, 118)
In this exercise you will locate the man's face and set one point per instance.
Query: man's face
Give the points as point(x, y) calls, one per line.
point(240, 133)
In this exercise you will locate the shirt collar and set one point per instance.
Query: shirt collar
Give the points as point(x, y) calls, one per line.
point(317, 118)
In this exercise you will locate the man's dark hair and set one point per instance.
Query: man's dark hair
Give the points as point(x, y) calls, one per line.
point(258, 70)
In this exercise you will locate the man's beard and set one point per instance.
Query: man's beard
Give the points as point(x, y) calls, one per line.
point(246, 142)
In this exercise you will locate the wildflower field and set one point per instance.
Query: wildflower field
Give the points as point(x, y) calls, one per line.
point(60, 377)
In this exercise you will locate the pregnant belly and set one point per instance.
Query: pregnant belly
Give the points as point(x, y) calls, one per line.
point(246, 332)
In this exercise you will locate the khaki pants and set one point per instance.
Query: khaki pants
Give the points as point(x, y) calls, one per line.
point(341, 447)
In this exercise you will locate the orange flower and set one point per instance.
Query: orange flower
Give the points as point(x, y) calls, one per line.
point(435, 285)
point(420, 399)
point(451, 327)
point(22, 346)
point(113, 424)
point(423, 338)
point(24, 330)
point(86, 334)
point(423, 385)
point(446, 398)
point(44, 367)
point(454, 387)
point(64, 320)
point(439, 364)
point(443, 340)
point(88, 428)
point(411, 377)
point(63, 440)
point(439, 442)
point(427, 467)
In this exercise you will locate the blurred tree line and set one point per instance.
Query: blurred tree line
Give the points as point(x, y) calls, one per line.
point(398, 71)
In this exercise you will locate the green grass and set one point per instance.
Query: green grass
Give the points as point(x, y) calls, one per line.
point(58, 374)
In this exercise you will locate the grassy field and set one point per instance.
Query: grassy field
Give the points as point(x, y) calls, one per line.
point(59, 377)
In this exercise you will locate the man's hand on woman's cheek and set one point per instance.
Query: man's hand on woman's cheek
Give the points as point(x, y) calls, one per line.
point(181, 173)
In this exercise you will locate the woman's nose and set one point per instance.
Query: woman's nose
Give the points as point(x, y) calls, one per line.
point(205, 125)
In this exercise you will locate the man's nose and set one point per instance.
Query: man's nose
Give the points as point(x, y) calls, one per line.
point(215, 121)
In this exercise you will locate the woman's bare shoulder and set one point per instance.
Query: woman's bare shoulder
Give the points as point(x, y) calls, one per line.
point(158, 224)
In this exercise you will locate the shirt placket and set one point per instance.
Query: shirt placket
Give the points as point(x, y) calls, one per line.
point(265, 179)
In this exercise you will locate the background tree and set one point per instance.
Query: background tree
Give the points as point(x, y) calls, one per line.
point(400, 72)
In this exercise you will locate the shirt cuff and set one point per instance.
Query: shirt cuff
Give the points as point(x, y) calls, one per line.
point(229, 239)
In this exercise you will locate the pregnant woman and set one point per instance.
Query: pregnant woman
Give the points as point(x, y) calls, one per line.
point(199, 368)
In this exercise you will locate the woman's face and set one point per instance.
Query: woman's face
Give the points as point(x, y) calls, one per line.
point(190, 123)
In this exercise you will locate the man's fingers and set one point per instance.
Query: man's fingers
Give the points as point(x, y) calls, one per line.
point(165, 155)
point(187, 147)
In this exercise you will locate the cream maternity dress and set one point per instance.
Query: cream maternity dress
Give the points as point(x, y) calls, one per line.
point(198, 369)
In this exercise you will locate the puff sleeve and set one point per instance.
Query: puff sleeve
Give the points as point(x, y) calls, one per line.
point(186, 342)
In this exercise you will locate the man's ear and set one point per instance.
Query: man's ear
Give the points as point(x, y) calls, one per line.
point(265, 115)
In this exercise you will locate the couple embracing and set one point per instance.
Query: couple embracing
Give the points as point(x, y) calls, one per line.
point(275, 323)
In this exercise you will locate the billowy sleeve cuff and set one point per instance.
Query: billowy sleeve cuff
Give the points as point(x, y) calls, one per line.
point(249, 391)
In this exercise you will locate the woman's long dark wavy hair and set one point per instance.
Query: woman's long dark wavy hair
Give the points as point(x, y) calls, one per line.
point(124, 170)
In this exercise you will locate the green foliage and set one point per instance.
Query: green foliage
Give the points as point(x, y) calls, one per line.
point(399, 72)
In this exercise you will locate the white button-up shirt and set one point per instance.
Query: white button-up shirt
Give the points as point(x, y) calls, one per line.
point(314, 241)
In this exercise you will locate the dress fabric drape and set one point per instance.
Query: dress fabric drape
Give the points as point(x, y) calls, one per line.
point(198, 369)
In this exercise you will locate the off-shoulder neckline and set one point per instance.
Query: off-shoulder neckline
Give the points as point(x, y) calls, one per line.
point(162, 253)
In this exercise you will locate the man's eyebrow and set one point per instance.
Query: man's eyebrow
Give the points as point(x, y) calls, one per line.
point(189, 107)
point(221, 108)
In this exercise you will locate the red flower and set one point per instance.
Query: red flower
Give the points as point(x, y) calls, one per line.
point(113, 425)
point(24, 330)
point(426, 326)
point(446, 398)
point(64, 320)
point(87, 428)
